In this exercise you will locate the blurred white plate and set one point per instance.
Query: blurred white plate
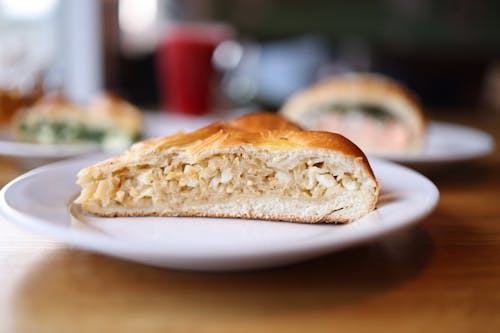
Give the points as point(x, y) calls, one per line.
point(41, 200)
point(446, 143)
point(9, 147)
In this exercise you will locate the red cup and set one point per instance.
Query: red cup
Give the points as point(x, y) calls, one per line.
point(186, 73)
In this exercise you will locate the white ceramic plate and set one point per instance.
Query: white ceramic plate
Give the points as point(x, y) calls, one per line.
point(41, 200)
point(447, 143)
point(9, 147)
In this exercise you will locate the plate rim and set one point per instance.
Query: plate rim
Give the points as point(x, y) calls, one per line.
point(417, 158)
point(11, 148)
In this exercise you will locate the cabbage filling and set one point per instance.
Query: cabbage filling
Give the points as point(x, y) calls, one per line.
point(218, 178)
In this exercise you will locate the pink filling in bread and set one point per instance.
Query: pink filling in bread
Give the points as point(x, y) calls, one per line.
point(366, 131)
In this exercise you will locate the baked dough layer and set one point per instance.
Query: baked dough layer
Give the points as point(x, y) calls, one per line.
point(223, 171)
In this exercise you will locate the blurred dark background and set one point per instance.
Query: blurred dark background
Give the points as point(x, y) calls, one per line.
point(447, 51)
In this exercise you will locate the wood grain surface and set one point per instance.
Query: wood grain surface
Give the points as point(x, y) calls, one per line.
point(440, 276)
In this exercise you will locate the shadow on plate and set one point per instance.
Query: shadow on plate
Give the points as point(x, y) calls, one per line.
point(77, 291)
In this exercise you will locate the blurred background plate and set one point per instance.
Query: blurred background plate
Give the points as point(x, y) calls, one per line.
point(9, 147)
point(446, 143)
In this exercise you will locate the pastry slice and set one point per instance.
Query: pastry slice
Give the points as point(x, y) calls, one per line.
point(375, 112)
point(109, 121)
point(223, 171)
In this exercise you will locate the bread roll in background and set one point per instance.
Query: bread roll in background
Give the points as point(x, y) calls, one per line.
point(377, 113)
point(108, 121)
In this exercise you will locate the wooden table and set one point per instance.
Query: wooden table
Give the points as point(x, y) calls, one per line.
point(441, 276)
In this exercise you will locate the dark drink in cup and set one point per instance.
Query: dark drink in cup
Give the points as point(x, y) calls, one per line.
point(186, 73)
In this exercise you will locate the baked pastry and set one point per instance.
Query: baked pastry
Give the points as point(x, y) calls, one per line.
point(224, 171)
point(375, 112)
point(108, 121)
